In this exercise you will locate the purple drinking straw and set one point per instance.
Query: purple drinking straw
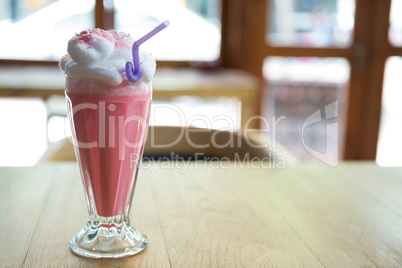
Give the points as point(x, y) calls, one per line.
point(133, 74)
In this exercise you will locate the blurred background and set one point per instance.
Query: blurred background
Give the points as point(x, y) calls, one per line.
point(231, 59)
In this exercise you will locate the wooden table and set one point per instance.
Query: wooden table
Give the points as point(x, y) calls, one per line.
point(208, 216)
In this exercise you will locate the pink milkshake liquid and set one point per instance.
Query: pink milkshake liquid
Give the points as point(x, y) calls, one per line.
point(110, 132)
point(109, 125)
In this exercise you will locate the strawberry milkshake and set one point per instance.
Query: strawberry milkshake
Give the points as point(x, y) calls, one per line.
point(109, 115)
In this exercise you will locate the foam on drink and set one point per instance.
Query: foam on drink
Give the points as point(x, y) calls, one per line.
point(102, 55)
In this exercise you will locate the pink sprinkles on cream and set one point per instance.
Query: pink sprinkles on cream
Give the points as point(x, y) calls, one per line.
point(121, 40)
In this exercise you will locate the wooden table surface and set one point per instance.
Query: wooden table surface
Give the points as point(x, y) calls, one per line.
point(306, 215)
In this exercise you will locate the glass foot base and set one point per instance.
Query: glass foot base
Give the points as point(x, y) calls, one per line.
point(108, 241)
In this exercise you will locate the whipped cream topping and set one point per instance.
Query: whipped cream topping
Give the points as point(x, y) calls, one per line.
point(100, 54)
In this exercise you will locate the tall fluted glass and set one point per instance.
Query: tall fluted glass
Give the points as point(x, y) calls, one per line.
point(109, 126)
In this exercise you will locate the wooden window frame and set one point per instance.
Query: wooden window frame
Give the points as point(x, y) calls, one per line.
point(244, 47)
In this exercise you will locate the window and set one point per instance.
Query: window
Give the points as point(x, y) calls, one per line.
point(366, 52)
point(193, 35)
point(295, 89)
point(390, 131)
point(362, 34)
point(395, 27)
point(39, 30)
point(310, 23)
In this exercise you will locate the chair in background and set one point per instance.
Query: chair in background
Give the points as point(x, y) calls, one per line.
point(169, 142)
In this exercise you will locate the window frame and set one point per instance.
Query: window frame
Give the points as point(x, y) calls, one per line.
point(367, 55)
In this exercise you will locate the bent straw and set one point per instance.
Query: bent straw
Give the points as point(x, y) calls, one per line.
point(133, 74)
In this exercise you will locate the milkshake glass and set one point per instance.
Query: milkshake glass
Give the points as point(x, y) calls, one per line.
point(109, 114)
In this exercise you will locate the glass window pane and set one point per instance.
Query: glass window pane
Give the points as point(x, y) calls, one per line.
point(24, 141)
point(304, 103)
point(39, 30)
point(310, 23)
point(395, 28)
point(193, 35)
point(389, 141)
